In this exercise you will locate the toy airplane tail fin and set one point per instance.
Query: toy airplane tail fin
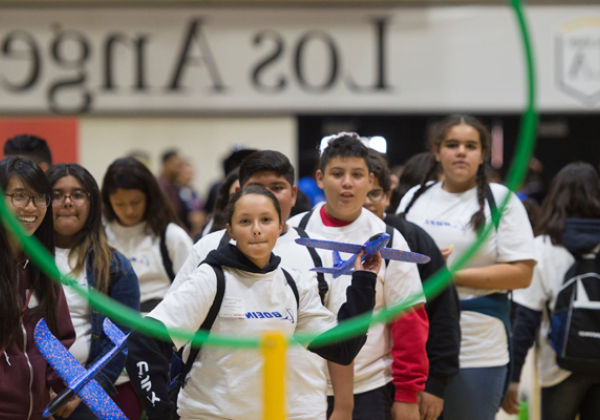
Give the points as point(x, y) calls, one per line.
point(337, 259)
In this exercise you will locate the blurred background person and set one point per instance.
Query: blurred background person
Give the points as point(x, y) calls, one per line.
point(193, 214)
point(167, 180)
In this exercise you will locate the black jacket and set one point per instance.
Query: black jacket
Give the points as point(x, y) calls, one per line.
point(443, 343)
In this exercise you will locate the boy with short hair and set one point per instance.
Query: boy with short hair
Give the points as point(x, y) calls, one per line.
point(345, 177)
point(443, 345)
point(306, 371)
point(31, 147)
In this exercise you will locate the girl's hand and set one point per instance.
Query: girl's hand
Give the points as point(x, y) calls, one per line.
point(446, 252)
point(372, 264)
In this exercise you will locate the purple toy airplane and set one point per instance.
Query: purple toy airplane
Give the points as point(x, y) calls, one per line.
point(79, 381)
point(376, 243)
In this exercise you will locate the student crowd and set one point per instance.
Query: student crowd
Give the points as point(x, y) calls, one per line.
point(455, 356)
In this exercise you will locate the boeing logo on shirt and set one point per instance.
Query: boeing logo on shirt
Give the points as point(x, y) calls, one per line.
point(143, 260)
point(265, 315)
point(454, 225)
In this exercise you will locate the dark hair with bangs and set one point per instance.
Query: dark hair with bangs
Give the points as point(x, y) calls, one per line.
point(253, 189)
point(266, 160)
point(574, 192)
point(379, 167)
point(91, 236)
point(34, 180)
point(344, 145)
point(131, 174)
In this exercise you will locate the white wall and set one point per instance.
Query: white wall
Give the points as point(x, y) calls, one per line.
point(205, 141)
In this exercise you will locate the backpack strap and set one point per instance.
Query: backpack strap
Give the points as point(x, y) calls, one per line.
point(209, 320)
point(224, 240)
point(493, 207)
point(293, 285)
point(164, 253)
point(390, 231)
point(305, 219)
point(323, 288)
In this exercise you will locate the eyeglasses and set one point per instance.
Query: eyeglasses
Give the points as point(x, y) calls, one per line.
point(41, 201)
point(376, 194)
point(77, 197)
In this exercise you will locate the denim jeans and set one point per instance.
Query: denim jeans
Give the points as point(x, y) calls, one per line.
point(575, 395)
point(475, 394)
point(370, 405)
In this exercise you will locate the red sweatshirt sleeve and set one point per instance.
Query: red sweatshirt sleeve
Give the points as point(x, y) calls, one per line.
point(66, 335)
point(410, 366)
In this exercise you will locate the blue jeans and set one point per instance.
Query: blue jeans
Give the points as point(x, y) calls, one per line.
point(475, 394)
point(576, 394)
point(371, 405)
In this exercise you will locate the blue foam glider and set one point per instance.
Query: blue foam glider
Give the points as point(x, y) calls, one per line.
point(375, 244)
point(79, 381)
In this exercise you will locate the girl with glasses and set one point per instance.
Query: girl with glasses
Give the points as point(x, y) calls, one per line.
point(83, 252)
point(27, 295)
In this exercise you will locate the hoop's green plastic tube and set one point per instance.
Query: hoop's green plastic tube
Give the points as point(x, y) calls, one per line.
point(432, 287)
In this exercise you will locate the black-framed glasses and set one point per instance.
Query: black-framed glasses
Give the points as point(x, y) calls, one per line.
point(376, 194)
point(41, 201)
point(77, 197)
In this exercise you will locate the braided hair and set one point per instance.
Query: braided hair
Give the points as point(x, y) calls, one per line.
point(436, 137)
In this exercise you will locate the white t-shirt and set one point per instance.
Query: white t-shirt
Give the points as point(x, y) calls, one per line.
point(226, 382)
point(142, 248)
point(306, 370)
point(446, 217)
point(79, 308)
point(395, 283)
point(548, 276)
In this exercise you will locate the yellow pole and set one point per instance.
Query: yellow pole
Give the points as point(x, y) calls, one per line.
point(274, 346)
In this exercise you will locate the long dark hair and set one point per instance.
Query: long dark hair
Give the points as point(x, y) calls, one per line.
point(574, 192)
point(436, 137)
point(130, 174)
point(10, 308)
point(92, 234)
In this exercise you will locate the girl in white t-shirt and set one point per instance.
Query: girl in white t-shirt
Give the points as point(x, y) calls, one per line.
point(452, 212)
point(83, 252)
point(569, 227)
point(226, 382)
point(141, 224)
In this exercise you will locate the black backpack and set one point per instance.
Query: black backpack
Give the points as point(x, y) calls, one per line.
point(178, 379)
point(575, 321)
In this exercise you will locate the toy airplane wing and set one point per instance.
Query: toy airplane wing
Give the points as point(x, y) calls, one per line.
point(330, 245)
point(114, 333)
point(79, 381)
point(406, 256)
